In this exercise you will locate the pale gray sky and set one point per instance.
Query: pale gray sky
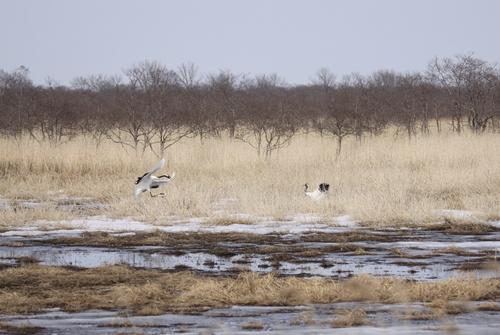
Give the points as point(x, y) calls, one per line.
point(64, 39)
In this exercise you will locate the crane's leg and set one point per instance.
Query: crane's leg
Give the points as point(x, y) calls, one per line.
point(159, 194)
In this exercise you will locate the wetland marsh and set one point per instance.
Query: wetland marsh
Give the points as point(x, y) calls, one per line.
point(403, 242)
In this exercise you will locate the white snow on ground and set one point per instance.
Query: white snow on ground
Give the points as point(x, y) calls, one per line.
point(299, 224)
point(230, 321)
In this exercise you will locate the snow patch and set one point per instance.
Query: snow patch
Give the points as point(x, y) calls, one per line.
point(300, 224)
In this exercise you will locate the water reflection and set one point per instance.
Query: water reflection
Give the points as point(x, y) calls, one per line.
point(333, 265)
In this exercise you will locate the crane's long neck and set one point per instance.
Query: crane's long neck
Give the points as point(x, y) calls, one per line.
point(139, 178)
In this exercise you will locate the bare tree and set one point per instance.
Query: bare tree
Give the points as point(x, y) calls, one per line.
point(367, 113)
point(195, 103)
point(55, 113)
point(469, 83)
point(407, 103)
point(325, 79)
point(128, 124)
point(270, 118)
point(226, 102)
point(340, 119)
point(189, 75)
point(373, 101)
point(150, 104)
point(98, 105)
point(16, 103)
point(427, 95)
point(157, 107)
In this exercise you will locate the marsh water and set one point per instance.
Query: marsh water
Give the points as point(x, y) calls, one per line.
point(411, 254)
point(304, 250)
point(416, 256)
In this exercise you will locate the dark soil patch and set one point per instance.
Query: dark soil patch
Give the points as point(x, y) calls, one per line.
point(222, 252)
point(346, 237)
point(27, 260)
point(399, 253)
point(421, 264)
point(460, 228)
point(161, 238)
point(470, 267)
point(343, 247)
point(20, 330)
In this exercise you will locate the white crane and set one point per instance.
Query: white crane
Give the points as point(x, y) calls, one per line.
point(148, 181)
point(318, 193)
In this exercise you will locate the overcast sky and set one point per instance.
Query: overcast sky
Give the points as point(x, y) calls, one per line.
point(65, 39)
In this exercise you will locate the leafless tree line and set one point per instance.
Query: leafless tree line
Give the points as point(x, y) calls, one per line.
point(153, 107)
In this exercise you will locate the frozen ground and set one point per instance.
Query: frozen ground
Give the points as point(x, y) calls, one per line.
point(383, 319)
point(274, 320)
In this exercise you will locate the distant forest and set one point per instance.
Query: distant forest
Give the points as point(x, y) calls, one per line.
point(153, 107)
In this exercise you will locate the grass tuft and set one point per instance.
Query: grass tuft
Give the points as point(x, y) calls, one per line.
point(350, 318)
point(253, 325)
point(32, 288)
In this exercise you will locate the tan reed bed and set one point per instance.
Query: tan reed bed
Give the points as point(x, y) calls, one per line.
point(32, 288)
point(378, 180)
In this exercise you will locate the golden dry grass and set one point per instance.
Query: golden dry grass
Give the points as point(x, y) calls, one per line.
point(305, 318)
point(488, 306)
point(454, 250)
point(380, 180)
point(33, 287)
point(253, 324)
point(350, 318)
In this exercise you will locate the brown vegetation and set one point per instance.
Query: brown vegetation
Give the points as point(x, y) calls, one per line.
point(157, 107)
point(379, 182)
point(350, 318)
point(31, 288)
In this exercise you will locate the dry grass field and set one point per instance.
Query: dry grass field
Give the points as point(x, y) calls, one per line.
point(149, 292)
point(378, 181)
